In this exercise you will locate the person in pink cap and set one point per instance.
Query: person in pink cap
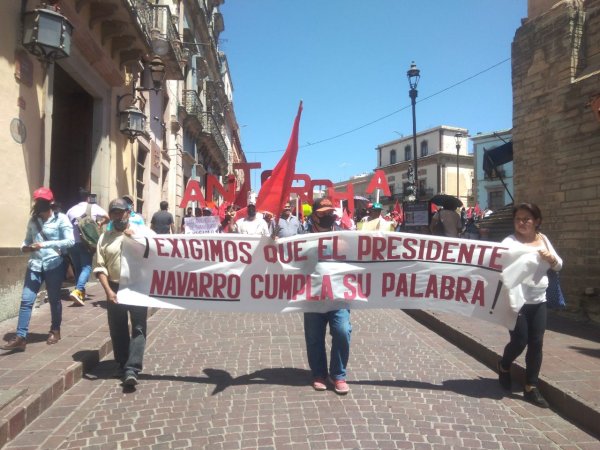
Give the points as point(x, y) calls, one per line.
point(49, 235)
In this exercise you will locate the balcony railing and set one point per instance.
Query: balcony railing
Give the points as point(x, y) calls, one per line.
point(192, 104)
point(209, 126)
point(162, 21)
point(160, 31)
point(142, 15)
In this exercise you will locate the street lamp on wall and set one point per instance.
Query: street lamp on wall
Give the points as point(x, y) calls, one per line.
point(47, 33)
point(414, 75)
point(458, 138)
point(155, 71)
point(132, 121)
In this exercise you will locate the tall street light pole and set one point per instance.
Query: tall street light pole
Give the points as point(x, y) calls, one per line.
point(457, 137)
point(413, 74)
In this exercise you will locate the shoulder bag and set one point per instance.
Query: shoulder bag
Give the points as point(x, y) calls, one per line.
point(554, 295)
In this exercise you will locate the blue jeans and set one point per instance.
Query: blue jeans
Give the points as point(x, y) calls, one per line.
point(315, 327)
point(128, 349)
point(82, 263)
point(33, 281)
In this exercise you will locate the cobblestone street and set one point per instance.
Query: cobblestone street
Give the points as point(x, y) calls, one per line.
point(240, 381)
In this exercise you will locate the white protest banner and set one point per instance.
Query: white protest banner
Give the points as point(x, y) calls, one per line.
point(201, 225)
point(322, 272)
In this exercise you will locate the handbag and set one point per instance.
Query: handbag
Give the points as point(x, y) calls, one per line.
point(554, 295)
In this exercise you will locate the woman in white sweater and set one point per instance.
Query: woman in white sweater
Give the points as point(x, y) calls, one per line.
point(531, 322)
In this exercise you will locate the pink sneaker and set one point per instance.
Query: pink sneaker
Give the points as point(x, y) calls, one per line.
point(340, 386)
point(318, 384)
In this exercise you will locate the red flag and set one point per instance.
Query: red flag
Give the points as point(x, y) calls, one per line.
point(477, 210)
point(433, 208)
point(346, 222)
point(222, 209)
point(275, 192)
point(399, 212)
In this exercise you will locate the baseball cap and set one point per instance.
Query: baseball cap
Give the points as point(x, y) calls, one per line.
point(43, 194)
point(118, 204)
point(377, 206)
point(128, 198)
point(322, 205)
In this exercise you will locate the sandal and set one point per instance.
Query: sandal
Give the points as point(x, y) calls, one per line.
point(53, 337)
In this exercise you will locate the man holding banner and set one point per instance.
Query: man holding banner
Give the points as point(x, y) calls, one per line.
point(128, 349)
point(315, 324)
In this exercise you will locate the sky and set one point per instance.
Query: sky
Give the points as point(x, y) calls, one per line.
point(347, 61)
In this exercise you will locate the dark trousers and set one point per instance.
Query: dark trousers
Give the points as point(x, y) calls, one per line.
point(529, 332)
point(128, 348)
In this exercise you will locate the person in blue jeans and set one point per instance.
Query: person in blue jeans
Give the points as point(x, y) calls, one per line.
point(315, 324)
point(48, 236)
point(81, 254)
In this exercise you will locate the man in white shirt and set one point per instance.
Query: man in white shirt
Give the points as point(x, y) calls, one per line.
point(253, 223)
point(81, 255)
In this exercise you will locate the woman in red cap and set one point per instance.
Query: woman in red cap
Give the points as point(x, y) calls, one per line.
point(49, 235)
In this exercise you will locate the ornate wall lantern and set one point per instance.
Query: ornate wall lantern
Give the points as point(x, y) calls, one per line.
point(153, 75)
point(47, 34)
point(132, 121)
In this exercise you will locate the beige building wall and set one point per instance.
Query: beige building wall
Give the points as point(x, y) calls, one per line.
point(22, 167)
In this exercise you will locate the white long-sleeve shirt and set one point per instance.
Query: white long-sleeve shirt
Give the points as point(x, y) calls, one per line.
point(533, 288)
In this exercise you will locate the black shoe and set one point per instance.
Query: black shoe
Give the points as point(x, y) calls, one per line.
point(535, 397)
point(504, 377)
point(119, 372)
point(130, 378)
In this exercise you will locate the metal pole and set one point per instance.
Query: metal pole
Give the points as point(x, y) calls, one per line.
point(413, 100)
point(457, 169)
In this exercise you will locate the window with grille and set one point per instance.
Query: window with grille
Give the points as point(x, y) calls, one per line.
point(139, 178)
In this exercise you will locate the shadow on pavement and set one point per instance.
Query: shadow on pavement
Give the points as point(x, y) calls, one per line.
point(582, 330)
point(479, 388)
point(88, 358)
point(289, 376)
point(99, 303)
point(286, 376)
point(31, 337)
point(593, 352)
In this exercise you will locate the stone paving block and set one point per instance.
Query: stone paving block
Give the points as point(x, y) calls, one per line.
point(210, 394)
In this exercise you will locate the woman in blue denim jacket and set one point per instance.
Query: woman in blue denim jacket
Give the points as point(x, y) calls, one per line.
point(49, 235)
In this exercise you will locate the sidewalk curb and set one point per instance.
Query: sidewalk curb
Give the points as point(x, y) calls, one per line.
point(34, 404)
point(565, 403)
point(18, 414)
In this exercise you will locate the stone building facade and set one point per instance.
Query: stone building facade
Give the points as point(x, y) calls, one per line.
point(556, 136)
point(60, 121)
point(443, 169)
